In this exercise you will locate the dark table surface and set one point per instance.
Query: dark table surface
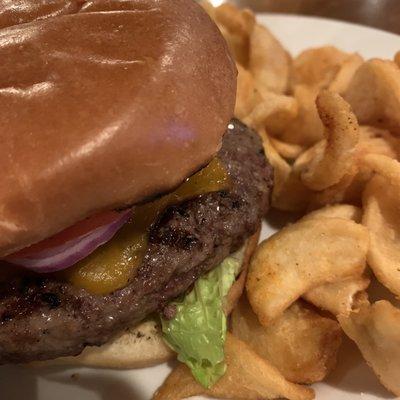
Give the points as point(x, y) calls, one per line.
point(382, 14)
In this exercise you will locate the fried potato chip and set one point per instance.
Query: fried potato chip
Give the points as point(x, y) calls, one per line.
point(345, 74)
point(347, 190)
point(317, 67)
point(397, 58)
point(286, 150)
point(292, 194)
point(289, 193)
point(340, 192)
point(240, 21)
point(337, 297)
point(305, 158)
point(285, 109)
point(345, 211)
point(209, 8)
point(269, 62)
point(301, 257)
point(350, 188)
point(236, 25)
point(374, 94)
point(248, 377)
point(329, 167)
point(382, 218)
point(384, 166)
point(372, 141)
point(300, 343)
point(246, 93)
point(179, 384)
point(281, 167)
point(306, 129)
point(377, 141)
point(376, 331)
point(272, 112)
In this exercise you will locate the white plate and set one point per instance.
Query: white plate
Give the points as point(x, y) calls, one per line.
point(351, 379)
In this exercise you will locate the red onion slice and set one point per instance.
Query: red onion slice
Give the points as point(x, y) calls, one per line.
point(65, 253)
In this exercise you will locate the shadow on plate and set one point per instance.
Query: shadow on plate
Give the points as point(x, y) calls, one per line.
point(17, 383)
point(278, 219)
point(377, 291)
point(102, 384)
point(352, 374)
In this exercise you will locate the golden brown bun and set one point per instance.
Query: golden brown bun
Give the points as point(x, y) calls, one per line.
point(143, 346)
point(100, 110)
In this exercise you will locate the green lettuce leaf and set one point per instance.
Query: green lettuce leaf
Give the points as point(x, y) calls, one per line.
point(198, 330)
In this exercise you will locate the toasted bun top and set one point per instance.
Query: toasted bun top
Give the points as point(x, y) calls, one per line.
point(103, 104)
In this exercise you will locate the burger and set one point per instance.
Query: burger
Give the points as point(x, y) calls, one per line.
point(130, 200)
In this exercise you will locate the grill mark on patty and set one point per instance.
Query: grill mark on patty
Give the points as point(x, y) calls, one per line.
point(42, 318)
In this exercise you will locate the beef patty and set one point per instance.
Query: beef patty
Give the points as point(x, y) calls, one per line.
point(42, 318)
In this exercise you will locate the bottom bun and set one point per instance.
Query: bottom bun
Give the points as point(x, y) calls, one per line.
point(142, 345)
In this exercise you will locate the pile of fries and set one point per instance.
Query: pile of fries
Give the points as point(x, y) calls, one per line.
point(330, 123)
